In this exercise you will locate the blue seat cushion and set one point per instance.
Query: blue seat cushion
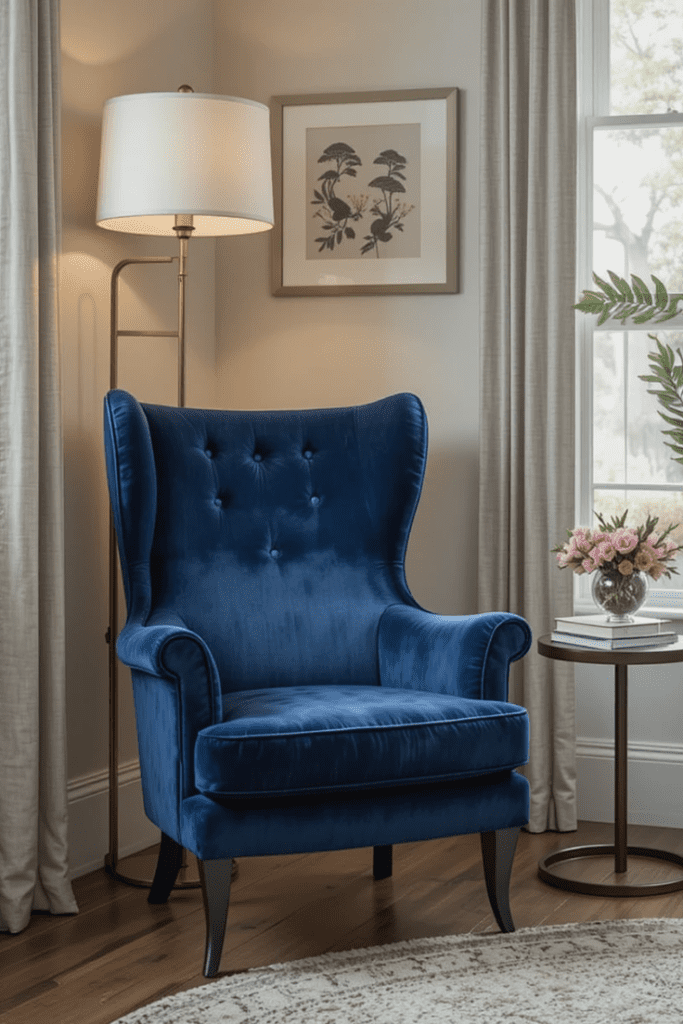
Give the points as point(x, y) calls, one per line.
point(334, 738)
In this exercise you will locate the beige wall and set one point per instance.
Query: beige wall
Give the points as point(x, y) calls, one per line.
point(109, 49)
point(299, 352)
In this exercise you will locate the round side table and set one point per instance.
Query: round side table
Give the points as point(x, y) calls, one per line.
point(621, 660)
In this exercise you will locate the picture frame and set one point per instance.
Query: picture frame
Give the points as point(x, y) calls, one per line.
point(365, 192)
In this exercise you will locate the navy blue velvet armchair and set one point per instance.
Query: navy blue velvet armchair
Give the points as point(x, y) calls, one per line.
point(290, 694)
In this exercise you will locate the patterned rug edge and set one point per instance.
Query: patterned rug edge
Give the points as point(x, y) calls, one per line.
point(385, 953)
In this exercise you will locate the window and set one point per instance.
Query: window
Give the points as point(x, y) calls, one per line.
point(630, 222)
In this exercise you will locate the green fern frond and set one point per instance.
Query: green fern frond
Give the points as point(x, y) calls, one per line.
point(623, 301)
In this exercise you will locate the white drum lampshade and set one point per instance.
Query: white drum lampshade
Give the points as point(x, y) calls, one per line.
point(184, 153)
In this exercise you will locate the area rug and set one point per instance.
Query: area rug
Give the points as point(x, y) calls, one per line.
point(602, 972)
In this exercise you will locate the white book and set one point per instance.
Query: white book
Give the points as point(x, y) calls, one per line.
point(597, 625)
point(613, 643)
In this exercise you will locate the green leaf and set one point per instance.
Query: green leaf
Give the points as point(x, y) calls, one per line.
point(639, 288)
point(645, 291)
point(661, 294)
point(675, 421)
point(621, 285)
point(590, 305)
point(645, 316)
point(678, 445)
point(609, 291)
point(669, 315)
point(626, 312)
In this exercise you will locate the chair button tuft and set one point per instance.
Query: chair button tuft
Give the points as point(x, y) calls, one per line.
point(218, 502)
point(274, 553)
point(308, 454)
point(208, 453)
point(315, 500)
point(258, 457)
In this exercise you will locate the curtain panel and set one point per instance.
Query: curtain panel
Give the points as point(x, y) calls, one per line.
point(528, 228)
point(33, 803)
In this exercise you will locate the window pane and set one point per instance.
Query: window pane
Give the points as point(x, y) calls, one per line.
point(638, 203)
point(646, 42)
point(628, 443)
point(609, 434)
point(649, 461)
point(666, 505)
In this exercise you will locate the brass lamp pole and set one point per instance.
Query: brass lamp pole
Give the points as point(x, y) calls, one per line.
point(141, 865)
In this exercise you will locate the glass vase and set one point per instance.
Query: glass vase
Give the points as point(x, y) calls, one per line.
point(619, 596)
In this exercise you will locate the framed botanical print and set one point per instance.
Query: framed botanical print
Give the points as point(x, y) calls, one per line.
point(365, 193)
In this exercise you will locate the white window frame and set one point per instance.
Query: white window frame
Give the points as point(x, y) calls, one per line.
point(593, 80)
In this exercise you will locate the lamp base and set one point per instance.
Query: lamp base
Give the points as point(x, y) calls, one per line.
point(139, 868)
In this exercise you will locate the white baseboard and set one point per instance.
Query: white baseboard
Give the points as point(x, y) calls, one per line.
point(655, 774)
point(88, 798)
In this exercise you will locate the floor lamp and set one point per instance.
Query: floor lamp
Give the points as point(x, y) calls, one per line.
point(173, 164)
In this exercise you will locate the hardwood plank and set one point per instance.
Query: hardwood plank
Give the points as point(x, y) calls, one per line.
point(120, 953)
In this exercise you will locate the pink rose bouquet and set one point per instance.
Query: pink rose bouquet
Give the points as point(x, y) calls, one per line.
point(615, 547)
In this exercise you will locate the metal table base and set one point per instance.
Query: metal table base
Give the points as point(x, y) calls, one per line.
point(620, 850)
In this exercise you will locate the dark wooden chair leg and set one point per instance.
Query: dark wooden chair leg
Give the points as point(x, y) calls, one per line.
point(381, 862)
point(168, 865)
point(215, 876)
point(498, 852)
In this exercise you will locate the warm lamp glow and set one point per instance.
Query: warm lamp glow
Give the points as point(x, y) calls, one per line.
point(170, 153)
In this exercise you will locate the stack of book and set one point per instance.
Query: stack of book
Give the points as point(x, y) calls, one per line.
point(595, 631)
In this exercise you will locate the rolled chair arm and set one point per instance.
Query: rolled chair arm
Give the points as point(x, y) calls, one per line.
point(466, 655)
point(173, 652)
point(177, 692)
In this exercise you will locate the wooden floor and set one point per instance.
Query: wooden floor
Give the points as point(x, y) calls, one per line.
point(120, 953)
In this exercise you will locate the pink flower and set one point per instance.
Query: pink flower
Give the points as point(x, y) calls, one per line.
point(657, 570)
point(625, 540)
point(581, 540)
point(588, 565)
point(607, 551)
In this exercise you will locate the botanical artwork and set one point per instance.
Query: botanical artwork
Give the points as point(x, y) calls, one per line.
point(363, 190)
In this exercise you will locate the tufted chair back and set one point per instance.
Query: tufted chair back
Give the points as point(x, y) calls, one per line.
point(278, 537)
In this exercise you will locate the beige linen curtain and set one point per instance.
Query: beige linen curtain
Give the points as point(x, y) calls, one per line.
point(33, 809)
point(527, 224)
